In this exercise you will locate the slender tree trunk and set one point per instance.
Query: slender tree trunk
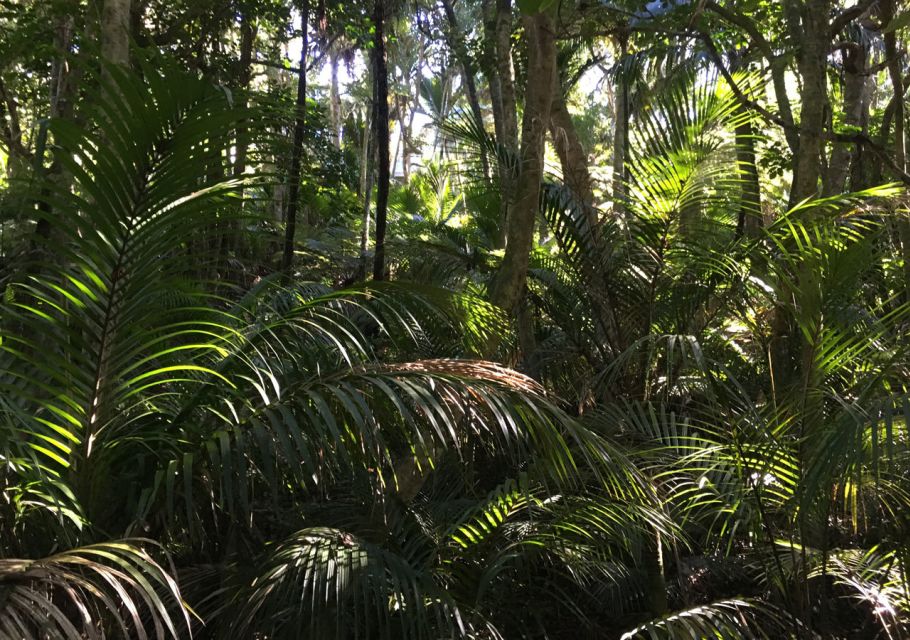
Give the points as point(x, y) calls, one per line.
point(576, 176)
point(653, 561)
point(398, 147)
point(60, 94)
point(855, 109)
point(894, 56)
point(572, 156)
point(506, 75)
point(366, 185)
point(884, 131)
point(859, 161)
point(63, 94)
point(247, 34)
point(381, 124)
point(508, 112)
point(509, 284)
point(815, 43)
point(456, 41)
point(335, 101)
point(404, 137)
point(244, 75)
point(290, 219)
point(491, 68)
point(115, 31)
point(365, 228)
point(621, 130)
point(813, 63)
point(750, 214)
point(415, 107)
point(12, 133)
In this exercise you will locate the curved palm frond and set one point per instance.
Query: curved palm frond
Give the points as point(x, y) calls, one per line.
point(727, 619)
point(73, 594)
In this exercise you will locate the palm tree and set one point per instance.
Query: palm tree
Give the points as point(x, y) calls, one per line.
point(304, 458)
point(757, 378)
point(783, 465)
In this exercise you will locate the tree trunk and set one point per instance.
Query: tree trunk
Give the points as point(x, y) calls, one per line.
point(506, 75)
point(813, 63)
point(60, 95)
point(491, 68)
point(63, 98)
point(576, 176)
point(572, 156)
point(415, 107)
point(290, 219)
point(653, 562)
point(366, 185)
point(621, 131)
point(893, 56)
point(115, 32)
point(508, 111)
point(855, 108)
point(234, 238)
point(335, 102)
point(750, 214)
point(381, 124)
point(456, 41)
point(509, 284)
point(17, 154)
point(247, 35)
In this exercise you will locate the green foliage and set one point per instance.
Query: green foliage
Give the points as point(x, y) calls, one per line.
point(701, 430)
point(135, 400)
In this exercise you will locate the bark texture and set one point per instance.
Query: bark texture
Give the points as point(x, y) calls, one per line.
point(509, 284)
point(506, 112)
point(856, 114)
point(115, 31)
point(366, 188)
point(335, 101)
point(506, 75)
point(750, 214)
point(893, 55)
point(381, 124)
point(572, 156)
point(813, 61)
point(621, 131)
point(244, 74)
point(290, 228)
point(489, 65)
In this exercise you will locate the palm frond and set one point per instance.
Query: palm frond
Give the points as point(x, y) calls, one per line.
point(75, 594)
point(728, 619)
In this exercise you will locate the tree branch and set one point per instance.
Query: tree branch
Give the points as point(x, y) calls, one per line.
point(857, 138)
point(742, 97)
point(11, 130)
point(881, 152)
point(849, 14)
point(776, 62)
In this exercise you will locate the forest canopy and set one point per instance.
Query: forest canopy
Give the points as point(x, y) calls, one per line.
point(466, 319)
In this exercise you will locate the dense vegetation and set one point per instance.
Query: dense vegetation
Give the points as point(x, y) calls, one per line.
point(454, 319)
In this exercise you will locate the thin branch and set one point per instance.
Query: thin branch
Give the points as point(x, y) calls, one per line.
point(11, 130)
point(777, 63)
point(881, 152)
point(858, 138)
point(589, 64)
point(315, 62)
point(743, 98)
point(850, 14)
